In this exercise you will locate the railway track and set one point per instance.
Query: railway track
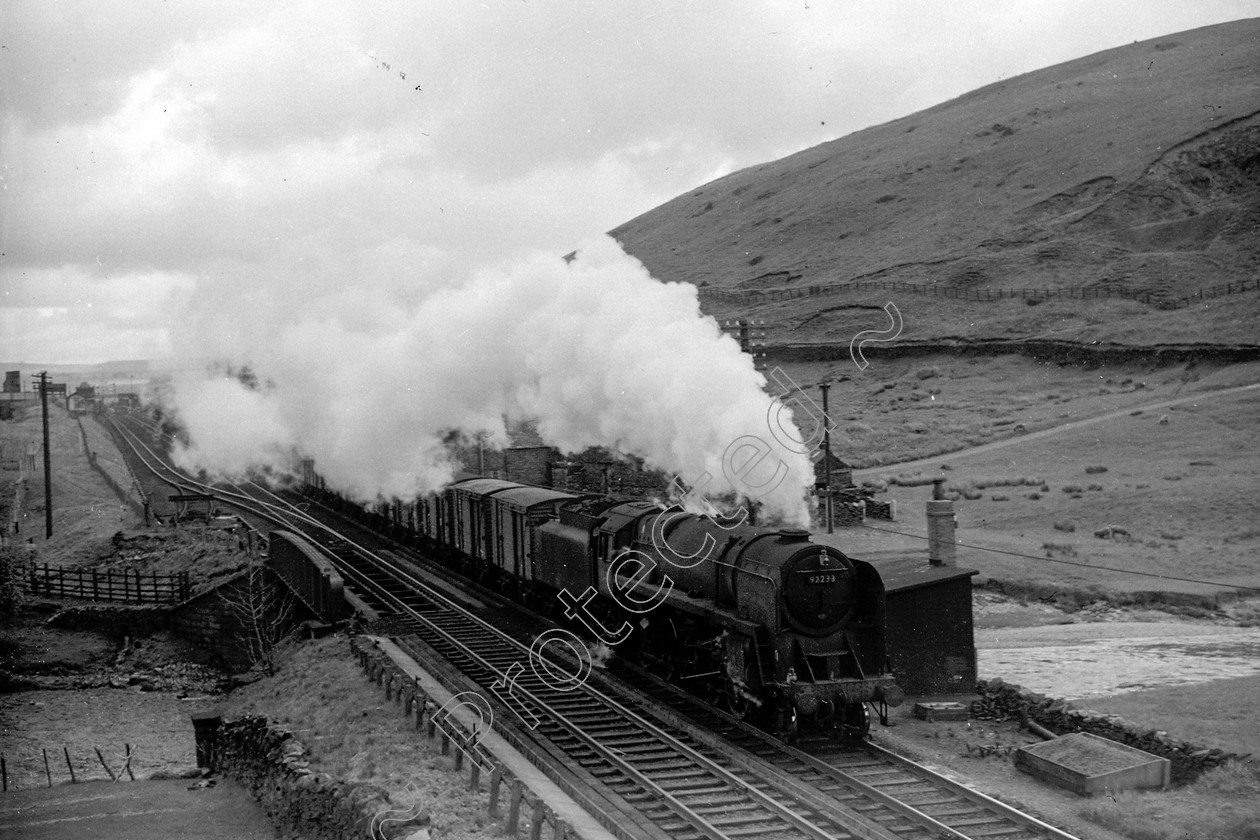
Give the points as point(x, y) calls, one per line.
point(680, 785)
point(905, 796)
point(893, 796)
point(687, 769)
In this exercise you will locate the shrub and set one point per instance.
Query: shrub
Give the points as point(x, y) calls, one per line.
point(928, 373)
point(1092, 470)
point(1066, 527)
point(1095, 487)
point(1034, 496)
point(12, 591)
point(998, 497)
point(1071, 488)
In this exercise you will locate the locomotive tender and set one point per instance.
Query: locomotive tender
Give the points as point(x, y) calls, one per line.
point(759, 620)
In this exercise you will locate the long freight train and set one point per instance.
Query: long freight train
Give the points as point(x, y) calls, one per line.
point(763, 621)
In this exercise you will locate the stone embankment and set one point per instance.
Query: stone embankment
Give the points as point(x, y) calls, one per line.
point(1048, 350)
point(274, 767)
point(1003, 701)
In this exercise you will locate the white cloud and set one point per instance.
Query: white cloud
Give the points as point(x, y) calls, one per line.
point(256, 150)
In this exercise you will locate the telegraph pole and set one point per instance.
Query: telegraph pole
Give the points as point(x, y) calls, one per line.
point(48, 510)
point(826, 386)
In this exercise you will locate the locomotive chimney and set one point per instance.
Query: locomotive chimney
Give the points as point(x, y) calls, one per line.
point(941, 526)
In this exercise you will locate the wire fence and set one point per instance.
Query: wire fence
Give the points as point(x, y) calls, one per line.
point(1159, 300)
point(24, 776)
point(128, 585)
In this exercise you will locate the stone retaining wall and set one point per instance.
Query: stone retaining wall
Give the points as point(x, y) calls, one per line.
point(274, 767)
point(1002, 701)
point(115, 620)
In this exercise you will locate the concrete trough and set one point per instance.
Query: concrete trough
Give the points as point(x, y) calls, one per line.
point(932, 712)
point(1089, 764)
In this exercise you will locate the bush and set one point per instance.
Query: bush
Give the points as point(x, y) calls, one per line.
point(998, 497)
point(1071, 488)
point(1092, 470)
point(12, 592)
point(928, 373)
point(1034, 496)
point(1095, 487)
point(1066, 527)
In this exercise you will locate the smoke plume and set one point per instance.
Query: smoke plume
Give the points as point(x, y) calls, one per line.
point(367, 382)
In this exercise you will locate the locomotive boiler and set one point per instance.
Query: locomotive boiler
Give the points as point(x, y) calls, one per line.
point(763, 621)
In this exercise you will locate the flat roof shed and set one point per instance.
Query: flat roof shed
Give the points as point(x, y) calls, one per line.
point(930, 633)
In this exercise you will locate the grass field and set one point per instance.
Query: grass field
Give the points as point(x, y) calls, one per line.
point(1163, 492)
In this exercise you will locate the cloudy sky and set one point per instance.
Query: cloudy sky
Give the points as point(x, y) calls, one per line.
point(166, 160)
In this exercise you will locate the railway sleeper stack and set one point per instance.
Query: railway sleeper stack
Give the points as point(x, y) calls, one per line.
point(1006, 701)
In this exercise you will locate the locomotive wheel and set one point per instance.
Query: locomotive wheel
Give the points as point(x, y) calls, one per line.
point(855, 722)
point(785, 723)
point(734, 698)
point(735, 702)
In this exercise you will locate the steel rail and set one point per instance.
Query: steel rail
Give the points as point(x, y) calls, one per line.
point(983, 799)
point(608, 753)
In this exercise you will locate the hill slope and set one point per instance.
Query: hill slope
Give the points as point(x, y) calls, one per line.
point(1135, 169)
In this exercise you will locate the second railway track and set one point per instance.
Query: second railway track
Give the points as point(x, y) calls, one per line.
point(686, 768)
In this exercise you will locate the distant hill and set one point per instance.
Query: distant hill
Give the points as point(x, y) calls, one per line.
point(73, 374)
point(1136, 169)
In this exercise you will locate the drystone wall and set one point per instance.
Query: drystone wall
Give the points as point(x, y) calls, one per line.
point(1003, 701)
point(274, 767)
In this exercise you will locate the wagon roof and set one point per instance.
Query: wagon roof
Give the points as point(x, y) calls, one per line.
point(527, 497)
point(483, 486)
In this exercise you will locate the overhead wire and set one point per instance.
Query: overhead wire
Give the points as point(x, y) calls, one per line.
point(1092, 566)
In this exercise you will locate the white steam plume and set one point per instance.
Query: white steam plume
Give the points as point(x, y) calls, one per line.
point(596, 351)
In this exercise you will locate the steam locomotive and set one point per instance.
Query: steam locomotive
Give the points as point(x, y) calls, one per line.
point(762, 621)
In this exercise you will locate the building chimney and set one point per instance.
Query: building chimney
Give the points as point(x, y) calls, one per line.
point(941, 526)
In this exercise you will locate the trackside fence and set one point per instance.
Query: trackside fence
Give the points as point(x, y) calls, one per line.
point(128, 585)
point(1157, 300)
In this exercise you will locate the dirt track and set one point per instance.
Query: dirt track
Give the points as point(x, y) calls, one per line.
point(1074, 425)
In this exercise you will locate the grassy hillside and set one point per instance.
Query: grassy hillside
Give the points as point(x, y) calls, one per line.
point(1135, 169)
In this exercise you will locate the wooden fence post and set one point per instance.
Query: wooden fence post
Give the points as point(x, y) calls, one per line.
point(514, 806)
point(112, 777)
point(70, 766)
point(536, 820)
point(127, 765)
point(496, 782)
